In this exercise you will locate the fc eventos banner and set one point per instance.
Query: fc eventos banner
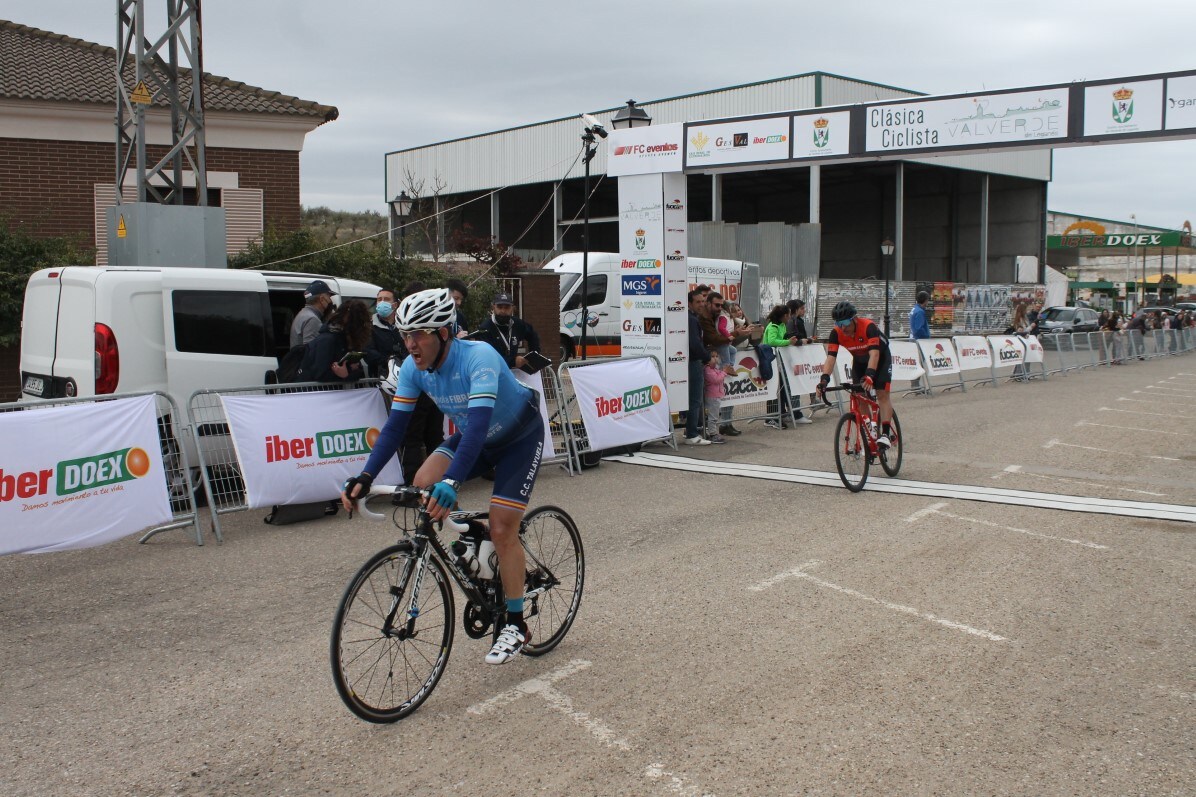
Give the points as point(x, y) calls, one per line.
point(621, 402)
point(298, 448)
point(80, 476)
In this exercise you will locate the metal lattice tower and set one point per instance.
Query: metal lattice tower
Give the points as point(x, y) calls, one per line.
point(147, 71)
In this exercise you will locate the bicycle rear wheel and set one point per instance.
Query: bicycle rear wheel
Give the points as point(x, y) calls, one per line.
point(890, 459)
point(851, 453)
point(556, 571)
point(383, 674)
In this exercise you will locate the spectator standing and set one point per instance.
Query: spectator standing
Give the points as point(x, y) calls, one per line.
point(919, 325)
point(318, 303)
point(385, 340)
point(714, 376)
point(776, 334)
point(347, 331)
point(460, 292)
point(796, 328)
point(508, 334)
point(698, 357)
point(716, 340)
point(1136, 328)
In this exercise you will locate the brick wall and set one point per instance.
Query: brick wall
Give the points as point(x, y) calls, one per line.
point(542, 309)
point(47, 186)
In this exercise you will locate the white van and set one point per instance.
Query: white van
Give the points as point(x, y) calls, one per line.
point(736, 280)
point(89, 330)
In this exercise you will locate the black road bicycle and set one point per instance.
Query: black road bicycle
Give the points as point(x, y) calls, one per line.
point(394, 627)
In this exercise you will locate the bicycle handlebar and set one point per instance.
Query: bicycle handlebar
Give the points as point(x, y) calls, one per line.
point(852, 387)
point(407, 491)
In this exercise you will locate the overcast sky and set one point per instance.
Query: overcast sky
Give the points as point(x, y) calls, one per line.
point(405, 74)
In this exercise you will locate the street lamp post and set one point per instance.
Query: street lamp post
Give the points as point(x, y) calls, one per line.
point(401, 207)
point(886, 251)
point(589, 146)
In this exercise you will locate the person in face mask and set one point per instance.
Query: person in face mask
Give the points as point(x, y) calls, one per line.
point(386, 340)
point(512, 337)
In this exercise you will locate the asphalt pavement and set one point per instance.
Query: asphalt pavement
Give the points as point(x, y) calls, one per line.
point(737, 636)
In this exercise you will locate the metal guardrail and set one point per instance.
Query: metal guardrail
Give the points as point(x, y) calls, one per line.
point(177, 468)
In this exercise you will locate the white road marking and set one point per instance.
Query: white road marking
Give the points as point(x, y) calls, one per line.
point(1132, 428)
point(1155, 403)
point(542, 687)
point(1008, 469)
point(937, 509)
point(800, 572)
point(963, 492)
point(1053, 443)
point(1163, 396)
point(1140, 412)
point(1172, 391)
point(1091, 484)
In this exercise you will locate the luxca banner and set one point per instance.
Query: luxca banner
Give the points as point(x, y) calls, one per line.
point(300, 447)
point(939, 356)
point(973, 352)
point(906, 364)
point(79, 476)
point(1007, 349)
point(746, 385)
point(621, 402)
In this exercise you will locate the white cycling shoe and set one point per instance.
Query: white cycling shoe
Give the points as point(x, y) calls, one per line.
point(509, 644)
point(883, 442)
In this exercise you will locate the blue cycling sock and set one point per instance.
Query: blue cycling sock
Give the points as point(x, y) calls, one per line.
point(515, 605)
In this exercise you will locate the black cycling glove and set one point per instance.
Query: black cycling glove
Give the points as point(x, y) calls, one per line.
point(363, 479)
point(824, 380)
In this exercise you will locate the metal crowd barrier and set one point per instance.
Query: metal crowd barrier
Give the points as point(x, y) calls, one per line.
point(558, 422)
point(576, 430)
point(219, 467)
point(174, 456)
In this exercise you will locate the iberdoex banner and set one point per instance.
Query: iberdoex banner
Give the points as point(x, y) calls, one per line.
point(78, 476)
point(300, 447)
point(621, 402)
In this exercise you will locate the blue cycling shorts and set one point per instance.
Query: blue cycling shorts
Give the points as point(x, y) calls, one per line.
point(515, 464)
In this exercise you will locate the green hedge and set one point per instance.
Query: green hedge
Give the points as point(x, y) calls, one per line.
point(22, 254)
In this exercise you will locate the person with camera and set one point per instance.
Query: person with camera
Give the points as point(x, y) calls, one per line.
point(507, 333)
point(336, 353)
point(871, 362)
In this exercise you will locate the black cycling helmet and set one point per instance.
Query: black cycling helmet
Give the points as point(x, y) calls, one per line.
point(843, 311)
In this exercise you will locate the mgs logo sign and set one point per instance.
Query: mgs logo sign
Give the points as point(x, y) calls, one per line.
point(646, 285)
point(822, 132)
point(1123, 105)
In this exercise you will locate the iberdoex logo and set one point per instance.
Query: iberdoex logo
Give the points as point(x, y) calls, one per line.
point(325, 445)
point(76, 475)
point(632, 401)
point(647, 285)
point(643, 262)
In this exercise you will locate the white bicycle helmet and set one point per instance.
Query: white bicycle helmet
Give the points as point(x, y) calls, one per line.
point(430, 309)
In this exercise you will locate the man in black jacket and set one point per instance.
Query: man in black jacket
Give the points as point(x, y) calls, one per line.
point(698, 357)
point(507, 334)
point(386, 340)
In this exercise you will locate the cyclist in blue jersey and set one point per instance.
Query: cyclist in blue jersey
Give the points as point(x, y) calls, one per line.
point(498, 427)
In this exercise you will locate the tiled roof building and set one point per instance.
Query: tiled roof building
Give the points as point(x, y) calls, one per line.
point(57, 140)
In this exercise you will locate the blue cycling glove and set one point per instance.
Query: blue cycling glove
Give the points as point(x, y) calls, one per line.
point(444, 495)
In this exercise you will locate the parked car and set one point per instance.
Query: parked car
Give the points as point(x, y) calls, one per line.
point(1068, 319)
point(1162, 311)
point(1189, 306)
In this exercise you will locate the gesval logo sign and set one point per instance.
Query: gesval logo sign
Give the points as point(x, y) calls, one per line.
point(325, 445)
point(72, 476)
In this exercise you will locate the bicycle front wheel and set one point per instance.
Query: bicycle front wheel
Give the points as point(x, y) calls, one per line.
point(890, 459)
point(851, 453)
point(556, 572)
point(384, 670)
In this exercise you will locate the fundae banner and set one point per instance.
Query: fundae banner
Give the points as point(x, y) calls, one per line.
point(621, 402)
point(297, 448)
point(79, 476)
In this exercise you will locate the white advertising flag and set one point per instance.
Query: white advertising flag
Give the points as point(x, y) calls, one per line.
point(297, 448)
point(621, 402)
point(80, 476)
point(803, 366)
point(973, 352)
point(906, 364)
point(939, 356)
point(746, 385)
point(536, 382)
point(1007, 349)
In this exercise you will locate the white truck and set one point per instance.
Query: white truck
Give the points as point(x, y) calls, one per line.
point(95, 330)
point(736, 280)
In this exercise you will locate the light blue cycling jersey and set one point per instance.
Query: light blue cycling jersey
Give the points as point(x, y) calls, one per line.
point(472, 375)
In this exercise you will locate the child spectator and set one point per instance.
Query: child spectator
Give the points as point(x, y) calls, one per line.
point(715, 376)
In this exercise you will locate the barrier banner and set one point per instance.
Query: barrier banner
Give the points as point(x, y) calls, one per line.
point(906, 364)
point(621, 402)
point(939, 356)
point(536, 382)
point(803, 366)
point(1007, 349)
point(973, 352)
point(746, 385)
point(298, 448)
point(80, 476)
point(1033, 349)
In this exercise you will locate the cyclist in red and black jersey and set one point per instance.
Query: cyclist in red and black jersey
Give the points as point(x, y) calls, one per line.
point(871, 362)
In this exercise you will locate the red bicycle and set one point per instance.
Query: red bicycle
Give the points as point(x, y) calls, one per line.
point(855, 438)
